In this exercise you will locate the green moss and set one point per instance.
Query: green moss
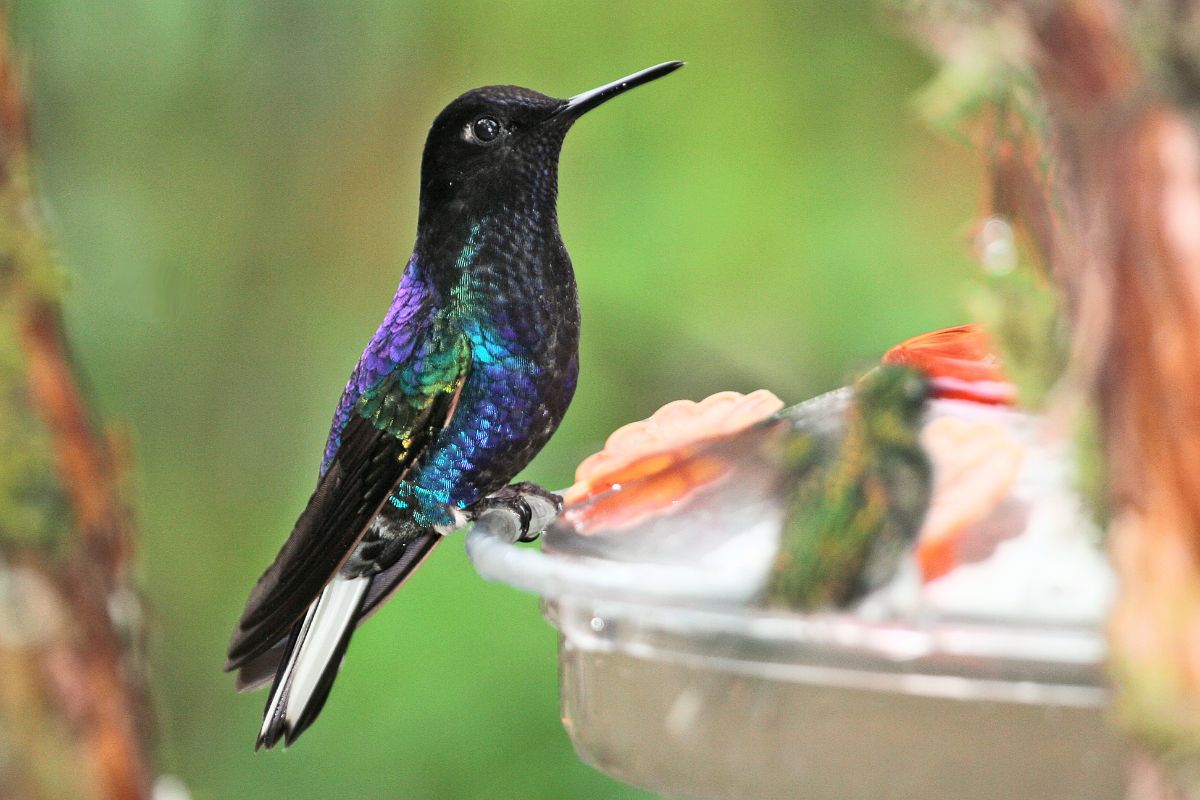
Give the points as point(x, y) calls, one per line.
point(33, 508)
point(1022, 312)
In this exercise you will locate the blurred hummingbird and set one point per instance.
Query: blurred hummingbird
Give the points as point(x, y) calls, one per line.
point(466, 379)
point(842, 481)
point(823, 498)
point(859, 499)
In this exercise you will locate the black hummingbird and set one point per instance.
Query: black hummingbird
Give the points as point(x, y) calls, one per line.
point(466, 379)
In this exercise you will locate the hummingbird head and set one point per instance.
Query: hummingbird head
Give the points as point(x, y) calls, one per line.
point(497, 142)
point(890, 400)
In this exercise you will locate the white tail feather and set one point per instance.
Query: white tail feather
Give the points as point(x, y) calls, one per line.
point(325, 624)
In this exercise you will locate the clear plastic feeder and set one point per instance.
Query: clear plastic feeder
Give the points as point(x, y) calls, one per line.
point(985, 683)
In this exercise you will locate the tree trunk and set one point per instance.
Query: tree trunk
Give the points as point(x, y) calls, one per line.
point(73, 709)
point(1086, 110)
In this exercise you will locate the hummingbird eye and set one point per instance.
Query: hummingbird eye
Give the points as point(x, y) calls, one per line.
point(484, 129)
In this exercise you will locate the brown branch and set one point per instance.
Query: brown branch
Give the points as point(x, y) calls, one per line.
point(74, 719)
point(87, 469)
point(110, 714)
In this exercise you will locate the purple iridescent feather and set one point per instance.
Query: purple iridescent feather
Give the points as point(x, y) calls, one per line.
point(390, 347)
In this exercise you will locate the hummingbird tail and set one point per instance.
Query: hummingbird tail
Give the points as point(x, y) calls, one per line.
point(261, 670)
point(302, 666)
point(310, 662)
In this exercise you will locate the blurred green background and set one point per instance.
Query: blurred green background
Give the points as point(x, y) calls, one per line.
point(233, 187)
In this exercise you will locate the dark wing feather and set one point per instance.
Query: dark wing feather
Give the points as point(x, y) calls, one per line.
point(255, 673)
point(368, 464)
point(385, 584)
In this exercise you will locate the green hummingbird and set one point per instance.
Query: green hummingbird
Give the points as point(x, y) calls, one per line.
point(859, 498)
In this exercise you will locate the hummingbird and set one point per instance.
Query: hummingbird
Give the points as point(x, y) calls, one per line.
point(466, 379)
point(842, 481)
point(859, 499)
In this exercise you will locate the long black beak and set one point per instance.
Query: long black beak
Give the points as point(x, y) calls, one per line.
point(586, 101)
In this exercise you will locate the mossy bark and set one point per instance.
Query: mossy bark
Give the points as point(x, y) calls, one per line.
point(73, 710)
point(1087, 113)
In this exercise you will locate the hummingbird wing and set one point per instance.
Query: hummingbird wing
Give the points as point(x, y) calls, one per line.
point(376, 450)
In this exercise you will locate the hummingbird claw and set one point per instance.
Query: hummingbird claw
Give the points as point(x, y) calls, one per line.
point(527, 489)
point(512, 498)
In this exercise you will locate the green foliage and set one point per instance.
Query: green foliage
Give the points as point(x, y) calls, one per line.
point(1022, 312)
point(1093, 477)
point(234, 187)
point(985, 72)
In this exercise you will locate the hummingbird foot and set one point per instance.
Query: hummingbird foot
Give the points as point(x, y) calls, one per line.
point(514, 498)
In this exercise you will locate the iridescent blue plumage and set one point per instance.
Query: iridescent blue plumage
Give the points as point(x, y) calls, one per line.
point(465, 380)
point(518, 374)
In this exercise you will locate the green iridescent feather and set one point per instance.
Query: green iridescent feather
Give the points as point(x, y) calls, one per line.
point(859, 500)
point(400, 403)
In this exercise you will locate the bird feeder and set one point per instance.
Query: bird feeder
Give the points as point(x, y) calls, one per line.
point(977, 672)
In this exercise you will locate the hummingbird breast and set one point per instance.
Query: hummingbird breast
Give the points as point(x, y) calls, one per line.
point(514, 300)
